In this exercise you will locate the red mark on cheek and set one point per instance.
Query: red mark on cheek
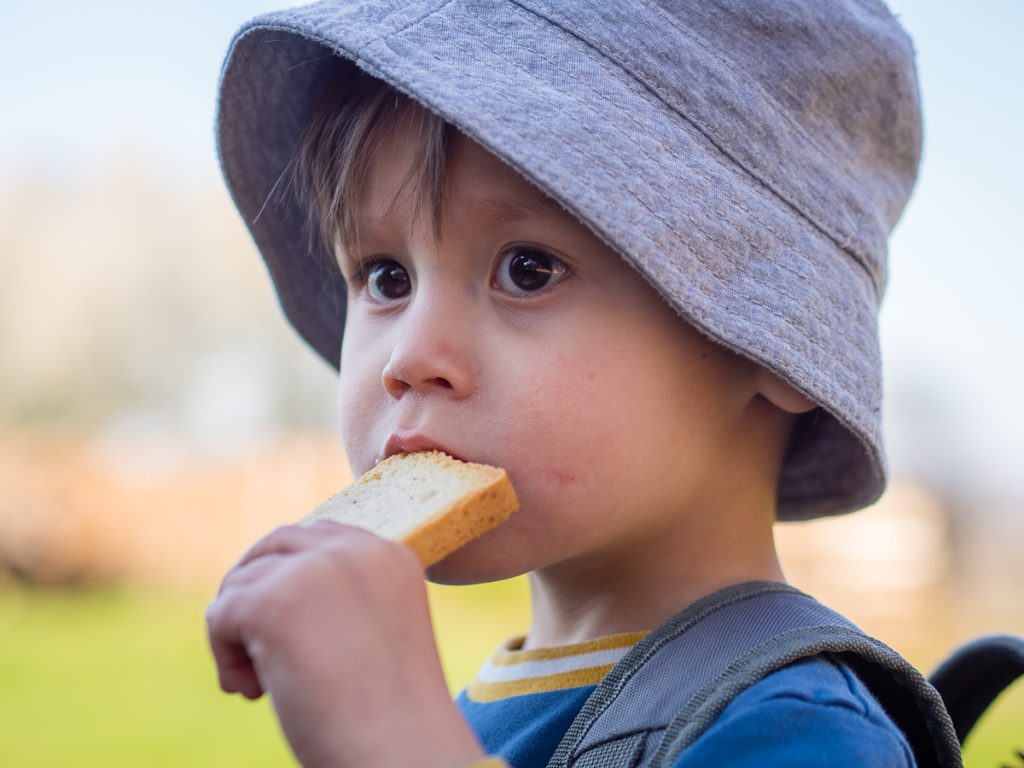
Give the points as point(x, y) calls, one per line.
point(591, 375)
point(562, 478)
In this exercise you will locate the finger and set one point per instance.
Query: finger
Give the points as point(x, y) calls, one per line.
point(289, 539)
point(236, 672)
point(252, 572)
point(333, 527)
point(235, 667)
point(284, 540)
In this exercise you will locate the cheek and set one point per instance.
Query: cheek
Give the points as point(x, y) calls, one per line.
point(613, 405)
point(565, 417)
point(359, 389)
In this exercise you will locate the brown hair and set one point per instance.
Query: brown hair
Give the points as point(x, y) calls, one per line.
point(354, 115)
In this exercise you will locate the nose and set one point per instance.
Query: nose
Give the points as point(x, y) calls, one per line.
point(433, 353)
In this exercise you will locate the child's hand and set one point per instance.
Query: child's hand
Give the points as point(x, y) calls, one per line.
point(332, 622)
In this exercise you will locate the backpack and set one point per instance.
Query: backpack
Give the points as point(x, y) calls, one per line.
point(695, 664)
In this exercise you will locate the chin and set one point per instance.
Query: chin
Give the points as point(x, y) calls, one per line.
point(478, 562)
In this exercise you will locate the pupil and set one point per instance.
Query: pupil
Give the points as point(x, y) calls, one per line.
point(392, 281)
point(531, 271)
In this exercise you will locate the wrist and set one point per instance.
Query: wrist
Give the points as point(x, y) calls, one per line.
point(434, 736)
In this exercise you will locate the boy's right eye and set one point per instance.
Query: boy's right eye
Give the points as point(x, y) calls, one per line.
point(386, 280)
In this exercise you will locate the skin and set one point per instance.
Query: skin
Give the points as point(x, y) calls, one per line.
point(644, 456)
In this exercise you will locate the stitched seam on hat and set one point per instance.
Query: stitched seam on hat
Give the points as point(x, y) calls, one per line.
point(838, 393)
point(320, 28)
point(414, 22)
point(840, 235)
point(696, 224)
point(754, 84)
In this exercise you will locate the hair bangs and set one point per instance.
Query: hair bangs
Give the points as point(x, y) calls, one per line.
point(353, 117)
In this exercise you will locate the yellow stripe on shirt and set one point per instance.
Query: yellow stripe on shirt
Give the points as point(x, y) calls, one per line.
point(509, 653)
point(514, 672)
point(483, 692)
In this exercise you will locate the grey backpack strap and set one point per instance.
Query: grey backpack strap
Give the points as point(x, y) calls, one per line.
point(975, 674)
point(909, 700)
point(676, 681)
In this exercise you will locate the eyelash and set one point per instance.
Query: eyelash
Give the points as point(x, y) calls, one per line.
point(357, 276)
point(362, 271)
point(561, 269)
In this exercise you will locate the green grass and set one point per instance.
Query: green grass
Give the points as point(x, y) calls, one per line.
point(115, 678)
point(992, 741)
point(123, 678)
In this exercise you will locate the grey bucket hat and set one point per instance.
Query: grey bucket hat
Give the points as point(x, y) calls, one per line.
point(748, 157)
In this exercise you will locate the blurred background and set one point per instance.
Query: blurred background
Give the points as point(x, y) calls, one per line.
point(157, 414)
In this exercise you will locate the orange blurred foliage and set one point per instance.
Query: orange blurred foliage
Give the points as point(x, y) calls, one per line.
point(75, 509)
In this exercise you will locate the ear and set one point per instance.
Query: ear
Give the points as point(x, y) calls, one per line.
point(781, 394)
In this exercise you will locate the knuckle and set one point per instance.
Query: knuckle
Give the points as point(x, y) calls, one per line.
point(396, 561)
point(329, 562)
point(408, 561)
point(377, 547)
point(280, 532)
point(213, 614)
point(351, 543)
point(274, 607)
point(378, 551)
point(226, 615)
point(363, 552)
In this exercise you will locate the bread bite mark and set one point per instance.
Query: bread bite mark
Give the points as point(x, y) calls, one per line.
point(427, 500)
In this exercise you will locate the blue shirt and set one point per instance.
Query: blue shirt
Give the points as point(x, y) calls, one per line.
point(815, 712)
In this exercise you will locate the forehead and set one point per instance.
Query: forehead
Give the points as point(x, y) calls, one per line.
point(496, 186)
point(476, 184)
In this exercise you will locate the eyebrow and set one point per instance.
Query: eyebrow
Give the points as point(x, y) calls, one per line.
point(530, 202)
point(498, 210)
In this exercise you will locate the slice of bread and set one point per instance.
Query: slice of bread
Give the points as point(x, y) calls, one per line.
point(427, 500)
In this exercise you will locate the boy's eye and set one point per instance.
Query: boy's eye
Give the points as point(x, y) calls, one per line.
point(386, 280)
point(525, 270)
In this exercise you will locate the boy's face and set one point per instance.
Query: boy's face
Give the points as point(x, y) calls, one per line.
point(521, 340)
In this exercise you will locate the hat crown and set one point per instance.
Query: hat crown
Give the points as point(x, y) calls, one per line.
point(817, 100)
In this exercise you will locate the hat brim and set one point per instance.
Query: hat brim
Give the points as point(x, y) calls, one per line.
point(706, 233)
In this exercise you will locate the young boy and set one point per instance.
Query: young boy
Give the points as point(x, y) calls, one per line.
point(630, 252)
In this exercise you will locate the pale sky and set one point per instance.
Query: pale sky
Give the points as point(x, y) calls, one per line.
point(77, 80)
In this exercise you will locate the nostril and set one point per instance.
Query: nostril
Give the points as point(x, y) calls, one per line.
point(395, 388)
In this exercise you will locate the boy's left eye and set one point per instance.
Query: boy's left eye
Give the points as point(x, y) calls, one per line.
point(525, 269)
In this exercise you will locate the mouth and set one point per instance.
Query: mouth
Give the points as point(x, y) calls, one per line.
point(411, 443)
